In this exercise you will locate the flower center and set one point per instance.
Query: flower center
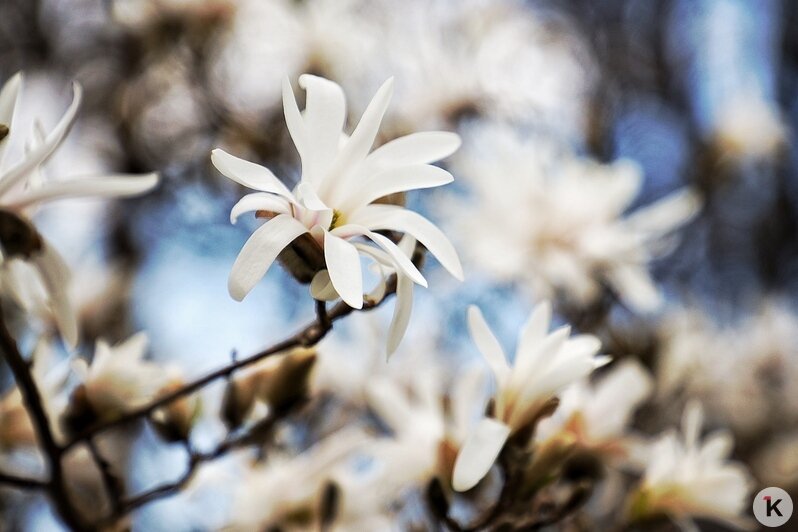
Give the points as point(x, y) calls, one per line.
point(337, 219)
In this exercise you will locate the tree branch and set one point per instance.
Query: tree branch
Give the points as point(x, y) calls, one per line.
point(56, 487)
point(22, 483)
point(307, 337)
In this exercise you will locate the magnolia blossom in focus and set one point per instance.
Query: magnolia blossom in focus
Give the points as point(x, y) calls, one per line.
point(119, 378)
point(546, 219)
point(334, 201)
point(687, 478)
point(31, 270)
point(544, 364)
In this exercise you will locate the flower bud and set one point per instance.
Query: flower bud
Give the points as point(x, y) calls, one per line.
point(174, 421)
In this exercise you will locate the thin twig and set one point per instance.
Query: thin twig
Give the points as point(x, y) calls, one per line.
point(22, 483)
point(56, 486)
point(307, 337)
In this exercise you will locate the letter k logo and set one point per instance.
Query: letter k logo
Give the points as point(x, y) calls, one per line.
point(772, 506)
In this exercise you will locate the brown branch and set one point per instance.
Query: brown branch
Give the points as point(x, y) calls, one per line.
point(56, 486)
point(307, 337)
point(22, 483)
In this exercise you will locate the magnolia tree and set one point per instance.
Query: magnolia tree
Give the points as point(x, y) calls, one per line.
point(518, 443)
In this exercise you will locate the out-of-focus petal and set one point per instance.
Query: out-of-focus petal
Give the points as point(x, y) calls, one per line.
point(479, 453)
point(488, 345)
point(55, 276)
point(113, 186)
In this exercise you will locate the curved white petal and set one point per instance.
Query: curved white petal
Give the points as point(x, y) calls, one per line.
point(309, 199)
point(293, 119)
point(393, 218)
point(396, 180)
point(401, 312)
point(259, 201)
point(358, 145)
point(42, 152)
point(9, 96)
point(416, 148)
point(478, 454)
point(259, 253)
point(343, 265)
point(56, 276)
point(249, 174)
point(532, 333)
point(400, 260)
point(488, 345)
point(325, 111)
point(112, 186)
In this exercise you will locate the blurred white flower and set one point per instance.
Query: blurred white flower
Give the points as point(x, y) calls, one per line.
point(567, 232)
point(334, 200)
point(595, 417)
point(286, 491)
point(545, 363)
point(22, 188)
point(119, 378)
point(741, 371)
point(429, 426)
point(688, 478)
point(749, 126)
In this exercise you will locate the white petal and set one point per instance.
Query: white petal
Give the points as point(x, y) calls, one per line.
point(666, 214)
point(9, 96)
point(396, 180)
point(309, 199)
point(532, 333)
point(249, 174)
point(293, 119)
point(390, 404)
point(357, 147)
point(488, 345)
point(321, 287)
point(400, 260)
point(417, 148)
point(401, 312)
point(325, 111)
point(42, 153)
point(259, 201)
point(113, 186)
point(692, 420)
point(479, 453)
point(635, 287)
point(392, 218)
point(55, 276)
point(343, 265)
point(260, 251)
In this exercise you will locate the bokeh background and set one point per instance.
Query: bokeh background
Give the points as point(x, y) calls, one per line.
point(695, 92)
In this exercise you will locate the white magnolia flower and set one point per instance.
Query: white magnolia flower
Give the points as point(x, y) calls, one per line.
point(595, 416)
point(286, 491)
point(545, 363)
point(741, 370)
point(119, 378)
point(428, 427)
point(334, 200)
point(686, 477)
point(23, 187)
point(567, 232)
